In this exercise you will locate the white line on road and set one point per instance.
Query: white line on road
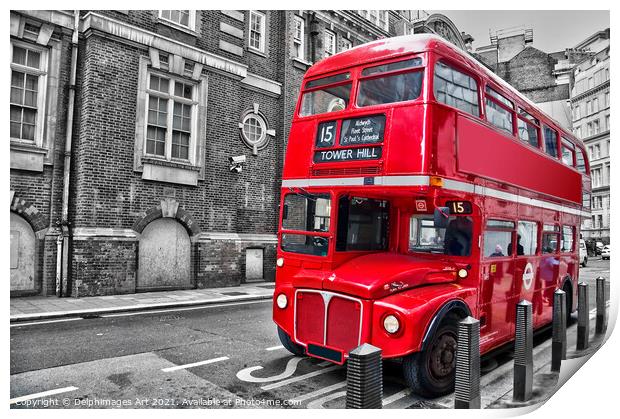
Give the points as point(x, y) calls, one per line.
point(318, 403)
point(291, 366)
point(318, 392)
point(45, 322)
point(274, 348)
point(42, 394)
point(195, 364)
point(299, 378)
point(202, 307)
point(396, 396)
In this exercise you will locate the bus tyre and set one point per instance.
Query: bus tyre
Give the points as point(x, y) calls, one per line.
point(430, 373)
point(289, 345)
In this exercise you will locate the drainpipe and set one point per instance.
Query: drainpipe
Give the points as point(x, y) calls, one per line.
point(314, 31)
point(62, 259)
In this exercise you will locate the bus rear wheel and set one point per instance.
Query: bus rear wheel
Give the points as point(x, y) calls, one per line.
point(430, 373)
point(289, 345)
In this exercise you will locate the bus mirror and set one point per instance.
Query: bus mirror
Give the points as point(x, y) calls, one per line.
point(440, 217)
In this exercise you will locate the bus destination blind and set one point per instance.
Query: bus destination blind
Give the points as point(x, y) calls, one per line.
point(365, 130)
point(348, 154)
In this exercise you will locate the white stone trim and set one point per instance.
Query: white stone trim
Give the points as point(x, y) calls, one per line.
point(85, 233)
point(269, 86)
point(123, 30)
point(238, 237)
point(234, 14)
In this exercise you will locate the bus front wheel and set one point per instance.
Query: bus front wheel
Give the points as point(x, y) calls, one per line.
point(430, 373)
point(289, 345)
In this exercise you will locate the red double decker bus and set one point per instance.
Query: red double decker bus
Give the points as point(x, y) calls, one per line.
point(419, 188)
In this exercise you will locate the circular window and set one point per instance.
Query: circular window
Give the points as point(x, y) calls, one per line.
point(254, 129)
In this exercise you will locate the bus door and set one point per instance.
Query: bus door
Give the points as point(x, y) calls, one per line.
point(549, 271)
point(528, 284)
point(497, 278)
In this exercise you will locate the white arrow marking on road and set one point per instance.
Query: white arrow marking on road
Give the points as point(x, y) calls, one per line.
point(43, 394)
point(275, 348)
point(299, 378)
point(291, 367)
point(195, 364)
point(318, 392)
point(318, 403)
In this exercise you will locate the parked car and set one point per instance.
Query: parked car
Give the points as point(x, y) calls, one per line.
point(599, 248)
point(583, 253)
point(605, 252)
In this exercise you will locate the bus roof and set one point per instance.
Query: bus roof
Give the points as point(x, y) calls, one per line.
point(403, 45)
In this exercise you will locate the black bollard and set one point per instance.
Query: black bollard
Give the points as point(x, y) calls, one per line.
point(467, 384)
point(364, 378)
point(583, 319)
point(601, 306)
point(558, 341)
point(524, 346)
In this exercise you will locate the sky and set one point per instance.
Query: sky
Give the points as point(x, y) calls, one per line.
point(554, 30)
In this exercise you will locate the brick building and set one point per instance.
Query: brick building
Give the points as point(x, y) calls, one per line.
point(123, 126)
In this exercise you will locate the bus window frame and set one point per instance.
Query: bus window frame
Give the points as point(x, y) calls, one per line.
point(574, 229)
point(565, 142)
point(334, 114)
point(530, 122)
point(558, 155)
point(423, 67)
point(488, 96)
point(430, 76)
point(485, 227)
point(538, 236)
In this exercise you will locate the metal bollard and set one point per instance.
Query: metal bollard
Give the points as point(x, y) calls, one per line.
point(601, 306)
point(364, 378)
point(583, 319)
point(467, 384)
point(558, 341)
point(524, 346)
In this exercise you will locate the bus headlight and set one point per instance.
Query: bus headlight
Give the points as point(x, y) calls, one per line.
point(280, 262)
point(463, 273)
point(282, 301)
point(391, 324)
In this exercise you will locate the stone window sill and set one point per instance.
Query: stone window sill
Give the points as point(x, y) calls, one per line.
point(177, 26)
point(169, 171)
point(27, 157)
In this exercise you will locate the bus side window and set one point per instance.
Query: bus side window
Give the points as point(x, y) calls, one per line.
point(527, 238)
point(498, 238)
point(551, 141)
point(568, 238)
point(550, 242)
point(455, 89)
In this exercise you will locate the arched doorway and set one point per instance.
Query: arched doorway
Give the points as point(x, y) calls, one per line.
point(164, 256)
point(23, 250)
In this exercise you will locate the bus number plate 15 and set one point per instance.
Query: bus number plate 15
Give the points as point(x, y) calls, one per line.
point(326, 134)
point(459, 207)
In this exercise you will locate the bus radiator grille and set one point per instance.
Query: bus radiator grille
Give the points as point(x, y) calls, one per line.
point(347, 171)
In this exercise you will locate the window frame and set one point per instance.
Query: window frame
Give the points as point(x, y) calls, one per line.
point(42, 73)
point(567, 144)
point(535, 122)
point(488, 96)
point(191, 21)
point(327, 34)
point(301, 41)
point(486, 227)
point(390, 73)
point(171, 99)
point(262, 32)
point(557, 137)
point(459, 69)
point(538, 237)
point(573, 234)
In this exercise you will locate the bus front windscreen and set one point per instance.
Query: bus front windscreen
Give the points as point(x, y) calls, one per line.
point(305, 213)
point(454, 240)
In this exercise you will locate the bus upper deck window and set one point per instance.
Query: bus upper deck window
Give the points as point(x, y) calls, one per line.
point(331, 98)
point(389, 89)
point(551, 141)
point(456, 89)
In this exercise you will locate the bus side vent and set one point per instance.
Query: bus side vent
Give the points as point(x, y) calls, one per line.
point(346, 171)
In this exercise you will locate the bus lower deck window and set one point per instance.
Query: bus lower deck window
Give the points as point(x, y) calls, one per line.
point(454, 240)
point(362, 224)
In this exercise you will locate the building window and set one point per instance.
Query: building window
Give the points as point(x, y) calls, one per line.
point(185, 18)
point(257, 31)
point(384, 21)
point(346, 44)
point(171, 106)
point(28, 88)
point(254, 129)
point(607, 126)
point(590, 129)
point(597, 126)
point(606, 99)
point(588, 107)
point(595, 105)
point(597, 180)
point(298, 38)
point(330, 43)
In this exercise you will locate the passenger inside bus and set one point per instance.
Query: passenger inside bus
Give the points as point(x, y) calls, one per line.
point(498, 251)
point(457, 241)
point(520, 251)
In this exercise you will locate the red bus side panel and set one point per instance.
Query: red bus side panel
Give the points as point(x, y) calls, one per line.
point(483, 152)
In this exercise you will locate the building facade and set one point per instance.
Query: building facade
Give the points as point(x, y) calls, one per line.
point(146, 145)
point(590, 103)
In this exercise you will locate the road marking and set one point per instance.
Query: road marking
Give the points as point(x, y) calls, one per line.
point(299, 378)
point(42, 394)
point(195, 364)
point(275, 348)
point(320, 391)
point(318, 403)
point(146, 311)
point(396, 396)
point(291, 367)
point(45, 322)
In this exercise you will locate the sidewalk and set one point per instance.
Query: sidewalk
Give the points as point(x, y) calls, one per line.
point(37, 308)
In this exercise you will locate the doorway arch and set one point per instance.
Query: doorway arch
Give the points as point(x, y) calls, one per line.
point(23, 254)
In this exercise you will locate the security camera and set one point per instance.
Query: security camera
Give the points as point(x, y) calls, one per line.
point(236, 163)
point(237, 159)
